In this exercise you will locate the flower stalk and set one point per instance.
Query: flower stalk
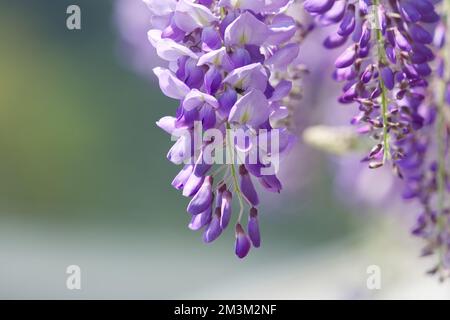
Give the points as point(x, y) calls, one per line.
point(382, 60)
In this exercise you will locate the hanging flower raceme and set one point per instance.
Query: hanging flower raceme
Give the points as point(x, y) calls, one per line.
point(222, 56)
point(427, 178)
point(386, 70)
point(384, 67)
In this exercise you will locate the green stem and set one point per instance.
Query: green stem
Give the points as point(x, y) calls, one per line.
point(382, 59)
point(234, 174)
point(384, 108)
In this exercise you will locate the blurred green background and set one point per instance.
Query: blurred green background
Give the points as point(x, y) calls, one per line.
point(84, 180)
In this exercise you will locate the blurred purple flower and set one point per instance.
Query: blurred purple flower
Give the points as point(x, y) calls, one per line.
point(132, 20)
point(386, 72)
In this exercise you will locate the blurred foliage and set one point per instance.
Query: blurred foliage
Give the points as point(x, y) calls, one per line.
point(76, 129)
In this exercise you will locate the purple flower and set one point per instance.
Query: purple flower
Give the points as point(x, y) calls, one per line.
point(243, 243)
point(385, 66)
point(246, 30)
point(227, 65)
point(225, 209)
point(247, 187)
point(213, 229)
point(426, 170)
point(253, 228)
point(386, 73)
point(133, 21)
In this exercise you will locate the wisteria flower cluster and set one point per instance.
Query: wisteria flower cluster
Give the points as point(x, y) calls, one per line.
point(223, 58)
point(388, 74)
point(430, 182)
point(385, 66)
point(233, 65)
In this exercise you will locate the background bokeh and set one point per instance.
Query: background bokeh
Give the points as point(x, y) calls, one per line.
point(84, 180)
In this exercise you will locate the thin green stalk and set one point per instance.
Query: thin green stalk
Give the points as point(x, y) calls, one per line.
point(218, 171)
point(384, 94)
point(384, 110)
point(234, 174)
